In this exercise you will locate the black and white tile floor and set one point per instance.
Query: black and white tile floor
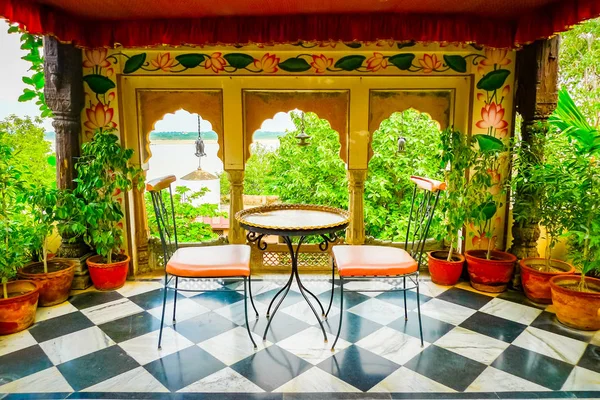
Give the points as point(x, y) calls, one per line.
point(104, 345)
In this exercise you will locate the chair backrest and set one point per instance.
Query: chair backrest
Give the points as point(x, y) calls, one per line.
point(165, 219)
point(426, 195)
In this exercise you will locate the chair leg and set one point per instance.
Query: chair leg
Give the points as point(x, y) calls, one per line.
point(405, 309)
point(250, 293)
point(162, 318)
point(341, 313)
point(246, 316)
point(419, 312)
point(332, 289)
point(175, 298)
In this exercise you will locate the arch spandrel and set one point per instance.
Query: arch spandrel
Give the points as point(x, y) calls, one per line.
point(332, 105)
point(155, 104)
point(383, 103)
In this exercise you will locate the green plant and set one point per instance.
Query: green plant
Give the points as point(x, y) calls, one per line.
point(584, 170)
point(103, 173)
point(41, 203)
point(70, 217)
point(457, 158)
point(486, 184)
point(15, 234)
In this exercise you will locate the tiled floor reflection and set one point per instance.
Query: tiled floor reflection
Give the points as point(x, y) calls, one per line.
point(477, 345)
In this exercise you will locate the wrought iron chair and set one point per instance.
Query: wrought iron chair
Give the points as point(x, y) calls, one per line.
point(208, 262)
point(368, 262)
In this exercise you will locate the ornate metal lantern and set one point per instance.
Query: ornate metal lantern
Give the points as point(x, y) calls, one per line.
point(302, 136)
point(199, 174)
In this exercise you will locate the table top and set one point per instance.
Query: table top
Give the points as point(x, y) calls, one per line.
point(293, 219)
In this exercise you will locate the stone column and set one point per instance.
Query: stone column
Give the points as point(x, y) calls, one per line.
point(537, 96)
point(237, 234)
point(355, 234)
point(64, 96)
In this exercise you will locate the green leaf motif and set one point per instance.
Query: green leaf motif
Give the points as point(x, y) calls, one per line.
point(402, 61)
point(239, 60)
point(487, 210)
point(98, 83)
point(190, 60)
point(349, 63)
point(294, 65)
point(456, 62)
point(353, 45)
point(489, 143)
point(406, 44)
point(493, 80)
point(134, 63)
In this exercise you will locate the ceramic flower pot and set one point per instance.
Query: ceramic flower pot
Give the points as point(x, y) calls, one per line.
point(54, 285)
point(580, 310)
point(108, 276)
point(442, 271)
point(536, 282)
point(490, 275)
point(17, 312)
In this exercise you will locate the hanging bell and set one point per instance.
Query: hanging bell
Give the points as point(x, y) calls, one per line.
point(401, 144)
point(302, 139)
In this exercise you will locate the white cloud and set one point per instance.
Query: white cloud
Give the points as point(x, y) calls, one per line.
point(182, 121)
point(279, 123)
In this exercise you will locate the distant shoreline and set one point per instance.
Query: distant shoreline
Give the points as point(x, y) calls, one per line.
point(207, 141)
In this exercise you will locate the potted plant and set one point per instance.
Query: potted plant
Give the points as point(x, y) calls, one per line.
point(19, 299)
point(544, 197)
point(489, 270)
point(446, 267)
point(103, 173)
point(54, 277)
point(577, 298)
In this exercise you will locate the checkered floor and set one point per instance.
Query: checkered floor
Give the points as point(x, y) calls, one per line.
point(104, 345)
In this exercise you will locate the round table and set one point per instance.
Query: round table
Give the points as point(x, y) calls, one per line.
point(288, 221)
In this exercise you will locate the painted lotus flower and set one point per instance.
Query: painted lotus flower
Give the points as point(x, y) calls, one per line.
point(496, 178)
point(216, 62)
point(268, 63)
point(377, 62)
point(163, 62)
point(492, 116)
point(495, 57)
point(100, 117)
point(482, 242)
point(96, 58)
point(506, 90)
point(430, 63)
point(321, 63)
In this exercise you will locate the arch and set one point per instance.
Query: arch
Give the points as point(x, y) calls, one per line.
point(437, 104)
point(155, 104)
point(332, 105)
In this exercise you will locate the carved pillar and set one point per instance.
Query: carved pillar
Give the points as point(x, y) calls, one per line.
point(355, 234)
point(537, 95)
point(237, 234)
point(64, 95)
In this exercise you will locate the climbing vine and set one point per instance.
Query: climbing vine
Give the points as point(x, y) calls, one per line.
point(35, 79)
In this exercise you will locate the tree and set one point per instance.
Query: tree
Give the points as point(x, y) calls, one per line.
point(31, 150)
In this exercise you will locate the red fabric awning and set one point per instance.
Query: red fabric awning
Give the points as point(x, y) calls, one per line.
point(139, 23)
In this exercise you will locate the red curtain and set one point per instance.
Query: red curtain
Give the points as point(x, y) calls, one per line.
point(39, 19)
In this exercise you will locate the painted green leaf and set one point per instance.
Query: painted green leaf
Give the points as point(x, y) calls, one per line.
point(456, 62)
point(487, 210)
point(294, 65)
point(493, 80)
point(405, 44)
point(489, 143)
point(134, 63)
point(349, 63)
point(98, 83)
point(402, 61)
point(190, 60)
point(238, 60)
point(353, 45)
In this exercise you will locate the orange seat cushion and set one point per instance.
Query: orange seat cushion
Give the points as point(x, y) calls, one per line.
point(211, 261)
point(373, 261)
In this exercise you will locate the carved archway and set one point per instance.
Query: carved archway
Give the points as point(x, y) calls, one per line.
point(155, 104)
point(438, 104)
point(332, 105)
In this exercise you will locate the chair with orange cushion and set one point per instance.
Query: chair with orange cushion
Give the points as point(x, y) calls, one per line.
point(368, 262)
point(202, 262)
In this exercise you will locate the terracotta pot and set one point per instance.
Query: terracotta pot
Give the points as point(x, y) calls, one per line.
point(576, 309)
point(18, 312)
point(54, 285)
point(445, 272)
point(536, 283)
point(108, 276)
point(490, 275)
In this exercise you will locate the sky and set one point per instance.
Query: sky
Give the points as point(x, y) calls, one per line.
point(12, 69)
